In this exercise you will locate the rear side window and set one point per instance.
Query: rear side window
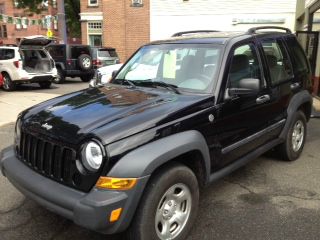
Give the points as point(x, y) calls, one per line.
point(107, 53)
point(279, 65)
point(76, 51)
point(299, 60)
point(56, 51)
point(6, 54)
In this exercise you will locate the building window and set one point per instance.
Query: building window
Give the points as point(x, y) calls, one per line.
point(94, 25)
point(15, 3)
point(136, 3)
point(24, 22)
point(55, 24)
point(54, 3)
point(2, 8)
point(3, 31)
point(93, 3)
point(95, 40)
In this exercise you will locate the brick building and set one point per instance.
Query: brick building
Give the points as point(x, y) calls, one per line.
point(118, 23)
point(11, 33)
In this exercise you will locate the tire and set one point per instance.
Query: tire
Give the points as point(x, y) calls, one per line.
point(45, 85)
point(8, 84)
point(292, 148)
point(85, 62)
point(60, 78)
point(86, 78)
point(160, 196)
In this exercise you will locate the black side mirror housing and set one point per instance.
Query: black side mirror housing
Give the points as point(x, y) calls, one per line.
point(114, 72)
point(247, 86)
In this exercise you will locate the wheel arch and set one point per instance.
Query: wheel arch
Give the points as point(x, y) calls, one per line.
point(301, 101)
point(188, 148)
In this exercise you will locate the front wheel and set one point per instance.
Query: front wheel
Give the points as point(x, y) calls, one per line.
point(168, 207)
point(60, 76)
point(86, 78)
point(291, 149)
point(45, 85)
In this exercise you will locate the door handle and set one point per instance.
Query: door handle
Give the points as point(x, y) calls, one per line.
point(294, 86)
point(263, 99)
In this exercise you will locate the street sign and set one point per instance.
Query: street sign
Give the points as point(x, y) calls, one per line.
point(49, 33)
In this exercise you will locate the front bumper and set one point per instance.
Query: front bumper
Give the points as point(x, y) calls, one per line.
point(90, 210)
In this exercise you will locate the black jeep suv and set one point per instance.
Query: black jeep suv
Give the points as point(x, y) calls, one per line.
point(72, 61)
point(180, 114)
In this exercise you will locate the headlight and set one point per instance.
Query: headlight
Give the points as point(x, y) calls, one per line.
point(17, 136)
point(92, 156)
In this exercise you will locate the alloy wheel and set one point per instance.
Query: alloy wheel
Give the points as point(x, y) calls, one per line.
point(173, 211)
point(297, 135)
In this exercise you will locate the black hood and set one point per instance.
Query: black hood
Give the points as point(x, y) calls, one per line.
point(110, 112)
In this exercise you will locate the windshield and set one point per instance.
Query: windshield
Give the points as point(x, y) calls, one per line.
point(192, 67)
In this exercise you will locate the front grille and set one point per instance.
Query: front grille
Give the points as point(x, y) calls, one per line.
point(49, 159)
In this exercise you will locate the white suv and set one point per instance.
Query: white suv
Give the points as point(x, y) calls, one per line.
point(28, 63)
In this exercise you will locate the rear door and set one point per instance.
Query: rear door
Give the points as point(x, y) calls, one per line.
point(279, 74)
point(301, 67)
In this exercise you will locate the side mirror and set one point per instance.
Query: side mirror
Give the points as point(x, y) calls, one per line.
point(247, 86)
point(114, 72)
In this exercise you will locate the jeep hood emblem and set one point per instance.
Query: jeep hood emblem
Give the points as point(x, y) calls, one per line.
point(46, 126)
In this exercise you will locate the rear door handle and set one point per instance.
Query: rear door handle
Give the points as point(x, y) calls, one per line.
point(294, 86)
point(263, 99)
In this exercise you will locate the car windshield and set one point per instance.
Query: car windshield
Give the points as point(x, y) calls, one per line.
point(190, 67)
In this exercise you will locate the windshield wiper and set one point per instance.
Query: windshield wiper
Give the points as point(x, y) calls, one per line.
point(129, 82)
point(172, 87)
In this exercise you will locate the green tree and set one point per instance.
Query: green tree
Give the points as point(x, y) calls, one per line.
point(72, 10)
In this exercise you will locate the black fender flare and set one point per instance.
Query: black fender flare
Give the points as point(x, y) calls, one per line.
point(144, 160)
point(296, 101)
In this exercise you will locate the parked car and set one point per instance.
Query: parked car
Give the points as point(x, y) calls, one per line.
point(72, 61)
point(29, 62)
point(133, 154)
point(104, 74)
point(104, 56)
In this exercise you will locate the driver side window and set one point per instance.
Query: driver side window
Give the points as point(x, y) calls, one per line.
point(244, 64)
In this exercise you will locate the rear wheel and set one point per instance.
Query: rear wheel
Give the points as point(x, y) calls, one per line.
point(86, 78)
point(45, 84)
point(60, 77)
point(8, 85)
point(168, 207)
point(291, 149)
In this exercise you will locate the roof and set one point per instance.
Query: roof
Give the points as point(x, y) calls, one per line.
point(210, 37)
point(219, 37)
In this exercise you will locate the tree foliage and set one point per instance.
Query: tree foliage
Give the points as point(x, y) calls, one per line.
point(72, 10)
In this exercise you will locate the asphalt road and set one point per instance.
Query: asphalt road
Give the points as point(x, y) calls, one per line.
point(267, 199)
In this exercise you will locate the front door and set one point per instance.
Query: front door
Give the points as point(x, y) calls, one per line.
point(243, 120)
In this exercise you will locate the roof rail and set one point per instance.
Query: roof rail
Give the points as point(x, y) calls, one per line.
point(255, 29)
point(9, 45)
point(178, 34)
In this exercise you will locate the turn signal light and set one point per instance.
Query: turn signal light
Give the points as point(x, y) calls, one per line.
point(115, 215)
point(116, 183)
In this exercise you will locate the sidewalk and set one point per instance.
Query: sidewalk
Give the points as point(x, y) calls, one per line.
point(316, 107)
point(12, 103)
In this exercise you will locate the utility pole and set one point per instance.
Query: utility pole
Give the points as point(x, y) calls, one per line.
point(62, 21)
